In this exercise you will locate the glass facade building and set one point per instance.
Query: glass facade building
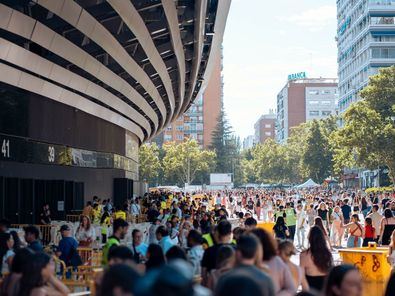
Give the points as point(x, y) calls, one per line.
point(366, 42)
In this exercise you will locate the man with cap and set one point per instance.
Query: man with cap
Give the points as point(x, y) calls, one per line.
point(67, 245)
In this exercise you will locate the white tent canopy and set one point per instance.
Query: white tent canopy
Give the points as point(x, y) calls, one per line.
point(308, 184)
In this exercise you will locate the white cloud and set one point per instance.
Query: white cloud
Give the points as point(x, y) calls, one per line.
point(315, 18)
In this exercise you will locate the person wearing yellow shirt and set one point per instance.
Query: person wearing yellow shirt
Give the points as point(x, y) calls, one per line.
point(105, 223)
point(96, 214)
point(100, 204)
point(121, 214)
point(163, 204)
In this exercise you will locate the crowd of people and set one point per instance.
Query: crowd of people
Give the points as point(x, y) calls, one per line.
point(231, 242)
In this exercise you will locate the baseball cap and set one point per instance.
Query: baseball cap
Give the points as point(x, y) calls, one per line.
point(65, 227)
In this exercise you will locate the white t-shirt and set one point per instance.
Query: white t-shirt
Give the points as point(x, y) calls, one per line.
point(301, 218)
point(135, 209)
point(218, 200)
point(84, 235)
point(376, 220)
point(336, 216)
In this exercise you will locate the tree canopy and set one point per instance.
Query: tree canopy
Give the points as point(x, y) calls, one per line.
point(185, 160)
point(316, 149)
point(367, 137)
point(150, 165)
point(317, 155)
point(225, 145)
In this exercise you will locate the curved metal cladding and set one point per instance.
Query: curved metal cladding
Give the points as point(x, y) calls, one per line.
point(137, 64)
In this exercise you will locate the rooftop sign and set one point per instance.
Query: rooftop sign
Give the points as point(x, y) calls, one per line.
point(300, 75)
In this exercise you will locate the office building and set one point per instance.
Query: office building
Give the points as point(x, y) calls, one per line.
point(84, 83)
point(365, 41)
point(265, 128)
point(302, 100)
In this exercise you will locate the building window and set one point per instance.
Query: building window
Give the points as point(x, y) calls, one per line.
point(180, 127)
point(314, 102)
point(314, 113)
point(326, 91)
point(326, 102)
point(383, 53)
point(268, 125)
point(180, 137)
point(314, 92)
point(268, 134)
point(167, 138)
point(382, 20)
point(326, 113)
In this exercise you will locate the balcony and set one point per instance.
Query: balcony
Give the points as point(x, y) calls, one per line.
point(380, 8)
point(382, 62)
point(381, 25)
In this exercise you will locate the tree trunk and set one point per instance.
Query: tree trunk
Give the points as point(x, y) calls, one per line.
point(391, 174)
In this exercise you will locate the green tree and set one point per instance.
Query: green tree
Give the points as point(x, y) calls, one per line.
point(247, 167)
point(185, 160)
point(225, 145)
point(367, 138)
point(294, 151)
point(269, 162)
point(307, 153)
point(150, 165)
point(317, 157)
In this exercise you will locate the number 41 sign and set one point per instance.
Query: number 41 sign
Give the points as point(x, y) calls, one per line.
point(5, 148)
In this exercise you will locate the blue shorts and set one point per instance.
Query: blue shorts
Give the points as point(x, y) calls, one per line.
point(351, 242)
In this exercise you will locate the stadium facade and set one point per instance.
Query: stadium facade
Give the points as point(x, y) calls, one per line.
point(84, 83)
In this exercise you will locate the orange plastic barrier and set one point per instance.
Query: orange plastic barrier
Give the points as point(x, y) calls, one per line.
point(268, 226)
point(372, 262)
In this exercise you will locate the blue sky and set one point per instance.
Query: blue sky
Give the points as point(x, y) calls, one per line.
point(265, 41)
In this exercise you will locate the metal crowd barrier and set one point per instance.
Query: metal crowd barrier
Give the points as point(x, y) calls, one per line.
point(45, 231)
point(73, 218)
point(81, 277)
point(90, 256)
